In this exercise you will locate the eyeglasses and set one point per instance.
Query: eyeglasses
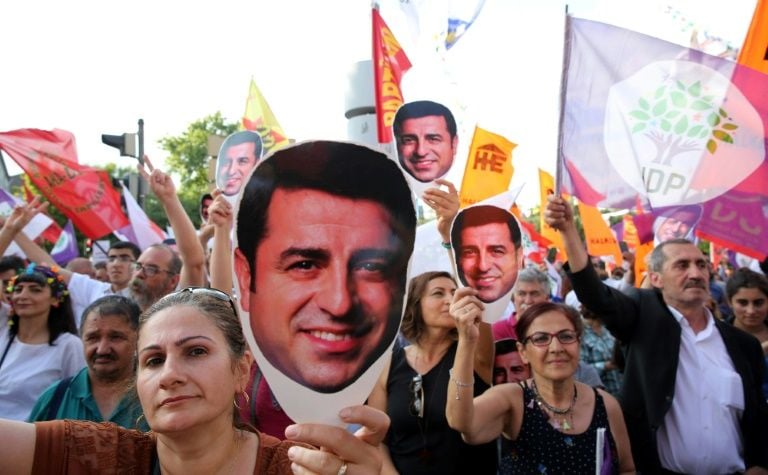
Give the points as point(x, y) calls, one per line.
point(215, 293)
point(416, 407)
point(149, 269)
point(565, 337)
point(122, 259)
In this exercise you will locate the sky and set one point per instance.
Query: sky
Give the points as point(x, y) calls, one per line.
point(95, 68)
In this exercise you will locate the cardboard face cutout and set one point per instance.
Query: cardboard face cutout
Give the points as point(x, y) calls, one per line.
point(675, 222)
point(238, 156)
point(426, 140)
point(487, 246)
point(324, 234)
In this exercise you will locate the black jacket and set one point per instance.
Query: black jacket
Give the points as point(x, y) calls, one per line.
point(642, 321)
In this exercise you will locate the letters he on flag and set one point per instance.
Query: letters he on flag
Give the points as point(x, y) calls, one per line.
point(389, 65)
point(489, 167)
point(258, 117)
point(648, 120)
point(83, 194)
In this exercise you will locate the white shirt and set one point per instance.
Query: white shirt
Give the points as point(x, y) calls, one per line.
point(701, 431)
point(28, 370)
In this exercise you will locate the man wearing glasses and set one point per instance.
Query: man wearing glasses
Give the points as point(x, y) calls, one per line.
point(155, 274)
point(324, 234)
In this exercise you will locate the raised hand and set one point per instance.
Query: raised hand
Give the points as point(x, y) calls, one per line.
point(558, 213)
point(467, 310)
point(160, 183)
point(445, 204)
point(220, 213)
point(22, 214)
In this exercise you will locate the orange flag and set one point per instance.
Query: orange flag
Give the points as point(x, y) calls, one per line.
point(600, 239)
point(389, 65)
point(754, 52)
point(641, 268)
point(489, 167)
point(259, 117)
point(546, 188)
point(630, 232)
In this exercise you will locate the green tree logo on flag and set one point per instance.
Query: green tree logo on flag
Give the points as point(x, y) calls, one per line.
point(678, 117)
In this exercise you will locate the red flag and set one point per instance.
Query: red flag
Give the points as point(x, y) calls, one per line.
point(83, 194)
point(389, 65)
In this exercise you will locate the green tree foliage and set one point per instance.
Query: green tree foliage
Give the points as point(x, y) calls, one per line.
point(188, 162)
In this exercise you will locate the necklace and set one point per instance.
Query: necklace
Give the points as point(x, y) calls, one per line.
point(563, 423)
point(425, 454)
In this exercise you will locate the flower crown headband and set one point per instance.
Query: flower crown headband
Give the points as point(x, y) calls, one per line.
point(51, 277)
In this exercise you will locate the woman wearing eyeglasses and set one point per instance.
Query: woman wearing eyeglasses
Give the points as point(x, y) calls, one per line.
point(555, 424)
point(412, 388)
point(192, 361)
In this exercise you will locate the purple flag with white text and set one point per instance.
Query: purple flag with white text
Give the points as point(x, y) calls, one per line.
point(652, 121)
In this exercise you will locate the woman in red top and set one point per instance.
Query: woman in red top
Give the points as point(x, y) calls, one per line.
point(192, 361)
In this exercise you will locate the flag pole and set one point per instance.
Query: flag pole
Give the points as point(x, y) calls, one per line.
point(563, 86)
point(5, 180)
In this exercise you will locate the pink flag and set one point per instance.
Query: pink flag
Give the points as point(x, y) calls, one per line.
point(142, 231)
point(648, 120)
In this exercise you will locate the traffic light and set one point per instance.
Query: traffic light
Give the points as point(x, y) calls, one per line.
point(126, 143)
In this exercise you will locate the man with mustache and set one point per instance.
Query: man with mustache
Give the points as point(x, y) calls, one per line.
point(692, 394)
point(156, 273)
point(324, 234)
point(97, 392)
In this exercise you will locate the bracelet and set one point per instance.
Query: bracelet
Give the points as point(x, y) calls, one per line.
point(446, 245)
point(459, 384)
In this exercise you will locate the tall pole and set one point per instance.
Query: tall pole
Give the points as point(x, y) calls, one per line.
point(140, 186)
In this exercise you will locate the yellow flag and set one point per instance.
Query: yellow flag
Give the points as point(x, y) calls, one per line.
point(489, 167)
point(546, 188)
point(259, 117)
point(600, 239)
point(754, 52)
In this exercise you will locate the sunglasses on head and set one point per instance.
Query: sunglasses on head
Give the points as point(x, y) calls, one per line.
point(416, 405)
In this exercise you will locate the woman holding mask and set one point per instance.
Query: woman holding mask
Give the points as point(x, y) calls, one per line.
point(411, 389)
point(192, 362)
point(553, 422)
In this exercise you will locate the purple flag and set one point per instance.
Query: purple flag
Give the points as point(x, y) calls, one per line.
point(649, 121)
point(65, 248)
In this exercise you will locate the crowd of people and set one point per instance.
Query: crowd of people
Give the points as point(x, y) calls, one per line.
point(154, 367)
